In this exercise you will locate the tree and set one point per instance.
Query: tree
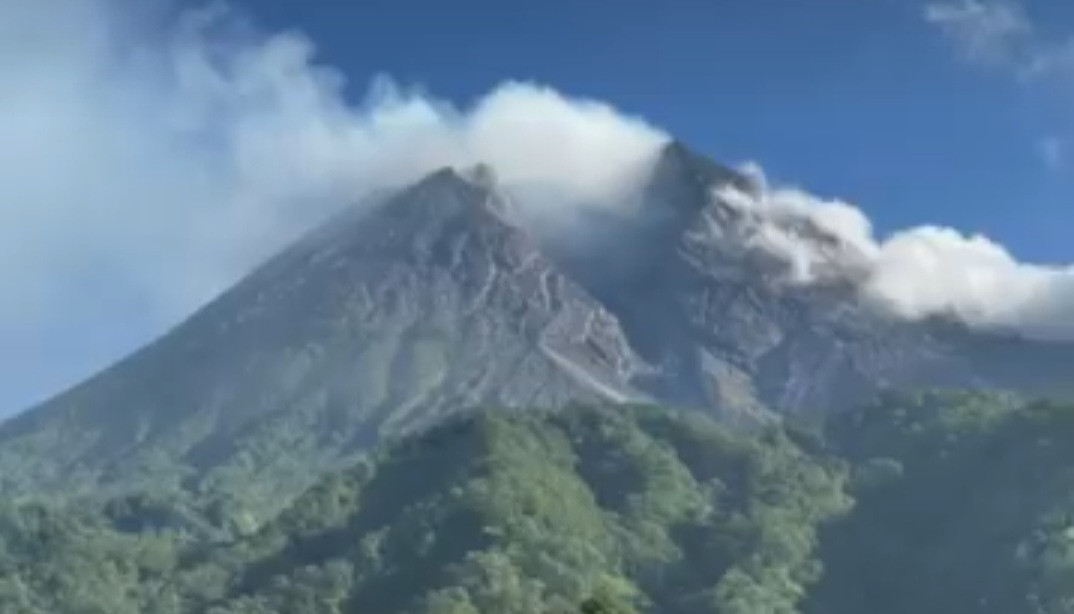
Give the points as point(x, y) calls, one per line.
point(604, 602)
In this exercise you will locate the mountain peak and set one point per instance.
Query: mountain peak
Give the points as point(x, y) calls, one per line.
point(677, 162)
point(480, 176)
point(445, 211)
point(440, 296)
point(444, 182)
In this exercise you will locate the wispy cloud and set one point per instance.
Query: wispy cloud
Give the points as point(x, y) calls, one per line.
point(990, 32)
point(1001, 33)
point(147, 162)
point(1053, 152)
point(145, 166)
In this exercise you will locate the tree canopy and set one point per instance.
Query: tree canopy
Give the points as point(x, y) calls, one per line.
point(934, 502)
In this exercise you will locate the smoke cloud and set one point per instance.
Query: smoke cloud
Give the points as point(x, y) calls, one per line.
point(148, 161)
point(913, 273)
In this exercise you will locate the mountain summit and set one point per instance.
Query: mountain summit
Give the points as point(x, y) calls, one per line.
point(374, 324)
point(444, 296)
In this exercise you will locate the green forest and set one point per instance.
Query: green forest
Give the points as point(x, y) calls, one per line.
point(934, 502)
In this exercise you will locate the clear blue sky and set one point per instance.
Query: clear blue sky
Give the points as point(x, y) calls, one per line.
point(866, 100)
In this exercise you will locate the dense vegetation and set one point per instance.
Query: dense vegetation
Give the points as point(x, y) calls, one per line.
point(964, 504)
point(954, 503)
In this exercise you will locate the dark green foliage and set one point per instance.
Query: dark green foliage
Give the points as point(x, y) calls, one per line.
point(532, 513)
point(959, 503)
point(633, 508)
point(965, 504)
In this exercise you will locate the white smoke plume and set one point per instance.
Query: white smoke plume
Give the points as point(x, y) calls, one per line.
point(913, 273)
point(148, 161)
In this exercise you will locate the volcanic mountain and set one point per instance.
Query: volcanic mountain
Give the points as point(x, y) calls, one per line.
point(446, 295)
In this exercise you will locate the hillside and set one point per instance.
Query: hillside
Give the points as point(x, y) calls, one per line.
point(376, 324)
point(666, 512)
point(448, 294)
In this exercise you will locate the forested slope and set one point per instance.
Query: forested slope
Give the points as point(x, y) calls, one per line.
point(956, 503)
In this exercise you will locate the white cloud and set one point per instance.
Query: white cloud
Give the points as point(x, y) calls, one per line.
point(929, 270)
point(985, 31)
point(799, 227)
point(913, 273)
point(1000, 33)
point(145, 164)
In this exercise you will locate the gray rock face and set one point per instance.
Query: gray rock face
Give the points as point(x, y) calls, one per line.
point(372, 325)
point(726, 332)
point(440, 298)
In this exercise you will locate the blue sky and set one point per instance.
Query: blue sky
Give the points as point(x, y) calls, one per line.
point(119, 213)
point(868, 101)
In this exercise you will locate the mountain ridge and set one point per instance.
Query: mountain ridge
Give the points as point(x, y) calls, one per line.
point(351, 329)
point(444, 295)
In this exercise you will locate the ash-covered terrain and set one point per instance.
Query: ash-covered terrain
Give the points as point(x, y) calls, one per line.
point(448, 294)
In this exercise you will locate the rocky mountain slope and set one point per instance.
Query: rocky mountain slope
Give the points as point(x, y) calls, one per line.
point(374, 324)
point(445, 296)
point(730, 334)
